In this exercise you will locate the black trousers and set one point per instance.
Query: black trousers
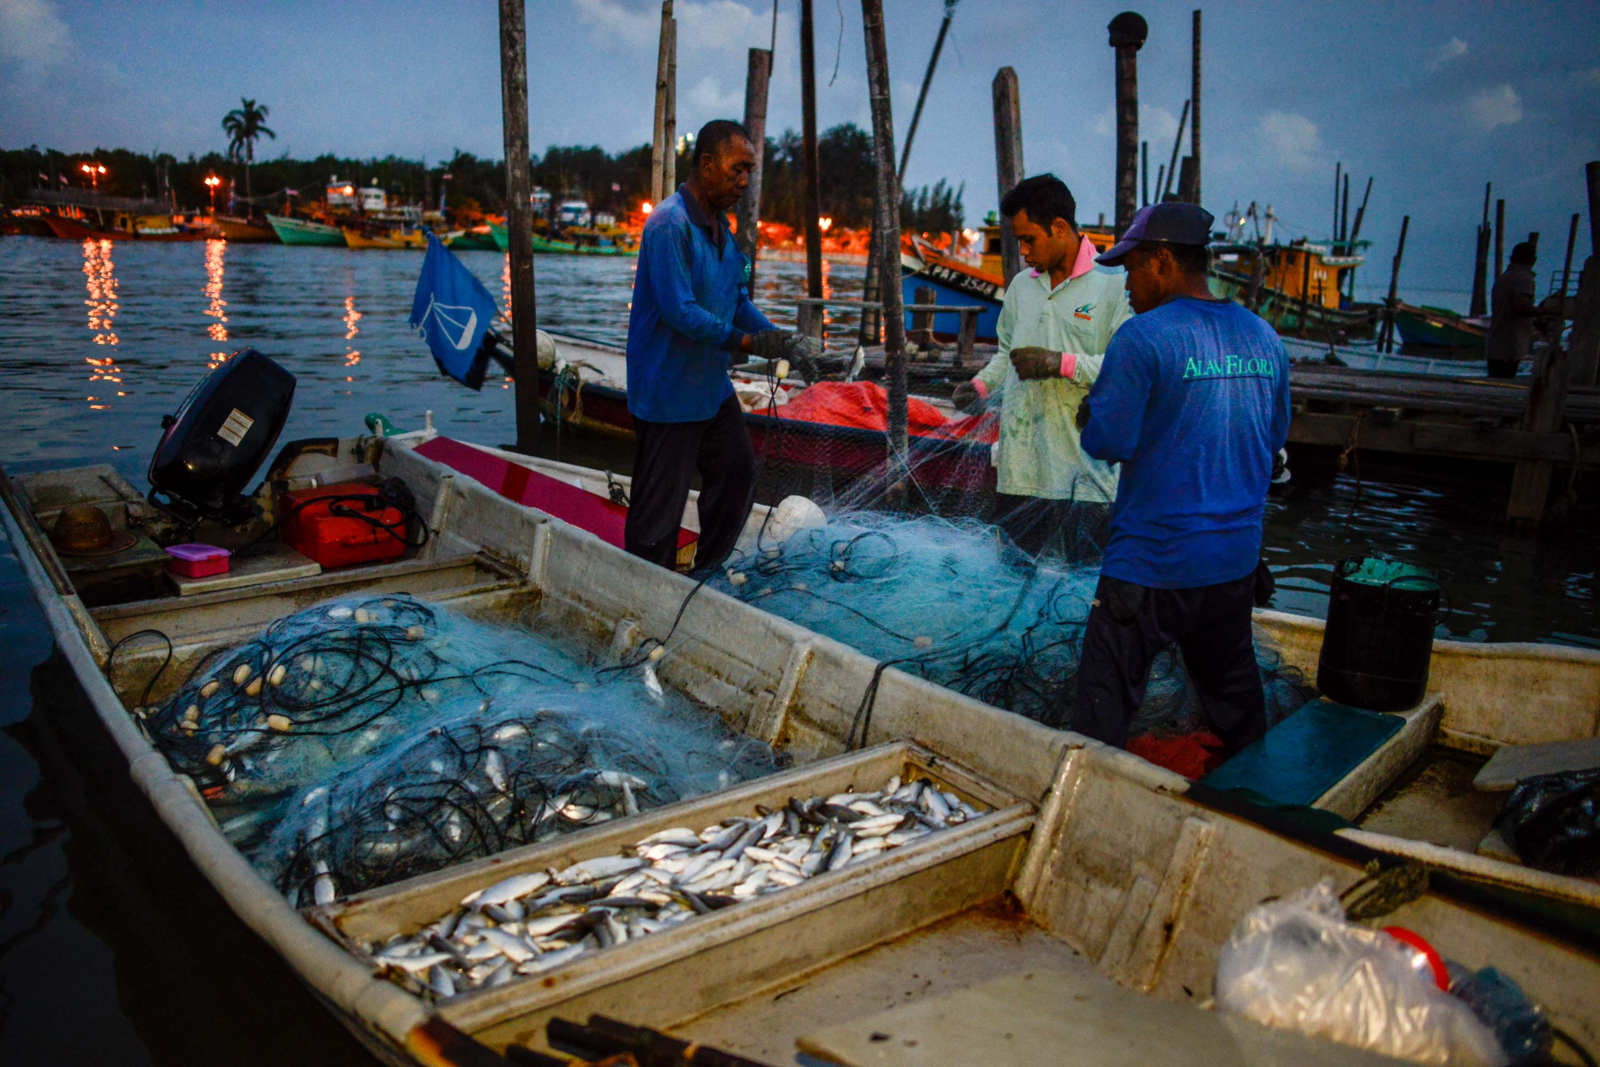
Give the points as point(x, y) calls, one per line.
point(1129, 625)
point(1506, 368)
point(1074, 530)
point(664, 465)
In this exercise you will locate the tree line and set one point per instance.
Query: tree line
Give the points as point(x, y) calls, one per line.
point(616, 182)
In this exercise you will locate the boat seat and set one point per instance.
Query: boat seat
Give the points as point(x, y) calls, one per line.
point(1307, 754)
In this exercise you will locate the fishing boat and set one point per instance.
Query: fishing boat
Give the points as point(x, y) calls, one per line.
point(244, 230)
point(1433, 327)
point(592, 245)
point(127, 227)
point(584, 384)
point(476, 239)
point(1086, 902)
point(293, 231)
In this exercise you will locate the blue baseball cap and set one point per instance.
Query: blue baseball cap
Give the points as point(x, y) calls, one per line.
point(1171, 223)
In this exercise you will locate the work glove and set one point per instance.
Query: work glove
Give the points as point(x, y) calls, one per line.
point(1082, 418)
point(966, 398)
point(773, 345)
point(1034, 364)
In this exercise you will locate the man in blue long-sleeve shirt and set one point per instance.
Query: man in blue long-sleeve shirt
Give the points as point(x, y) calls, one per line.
point(1193, 401)
point(691, 314)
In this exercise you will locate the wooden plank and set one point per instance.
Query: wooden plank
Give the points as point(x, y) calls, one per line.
point(1440, 439)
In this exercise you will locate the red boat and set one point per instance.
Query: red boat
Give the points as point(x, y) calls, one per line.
point(73, 230)
point(831, 431)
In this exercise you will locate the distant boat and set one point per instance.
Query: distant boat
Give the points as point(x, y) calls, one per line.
point(600, 246)
point(1432, 327)
point(477, 239)
point(243, 230)
point(305, 232)
point(127, 228)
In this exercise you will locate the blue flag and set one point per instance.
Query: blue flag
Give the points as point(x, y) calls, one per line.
point(452, 311)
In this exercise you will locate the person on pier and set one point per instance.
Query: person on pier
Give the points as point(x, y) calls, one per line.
point(1055, 323)
point(691, 313)
point(1512, 313)
point(1193, 401)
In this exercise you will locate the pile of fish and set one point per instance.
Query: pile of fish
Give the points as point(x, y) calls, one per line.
point(538, 920)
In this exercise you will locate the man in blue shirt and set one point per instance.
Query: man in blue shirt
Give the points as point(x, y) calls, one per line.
point(1193, 401)
point(691, 314)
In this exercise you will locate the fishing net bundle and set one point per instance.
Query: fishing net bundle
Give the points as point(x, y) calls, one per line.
point(376, 738)
point(955, 601)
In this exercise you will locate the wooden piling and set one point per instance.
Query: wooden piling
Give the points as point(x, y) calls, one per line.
point(519, 221)
point(1547, 403)
point(658, 142)
point(1127, 34)
point(1186, 179)
point(1172, 164)
point(1194, 118)
point(757, 78)
point(1305, 286)
point(922, 321)
point(1161, 172)
point(1355, 235)
point(1344, 216)
point(1480, 264)
point(1008, 159)
point(808, 120)
point(669, 119)
point(1337, 168)
point(1592, 178)
point(1394, 288)
point(1566, 266)
point(1144, 173)
point(887, 215)
point(1499, 238)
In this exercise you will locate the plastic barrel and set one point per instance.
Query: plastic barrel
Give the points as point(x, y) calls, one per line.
point(1379, 639)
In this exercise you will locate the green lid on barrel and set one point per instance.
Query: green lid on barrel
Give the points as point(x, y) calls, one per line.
point(1391, 573)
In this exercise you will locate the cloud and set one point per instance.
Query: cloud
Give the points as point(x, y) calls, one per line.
point(707, 98)
point(1498, 106)
point(714, 25)
point(1452, 49)
point(1291, 137)
point(33, 37)
point(1156, 125)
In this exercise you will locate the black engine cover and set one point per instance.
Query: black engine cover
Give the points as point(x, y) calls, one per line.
point(222, 434)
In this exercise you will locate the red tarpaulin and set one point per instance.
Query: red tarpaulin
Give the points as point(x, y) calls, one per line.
point(865, 406)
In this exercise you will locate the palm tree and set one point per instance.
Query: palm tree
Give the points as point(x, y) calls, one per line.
point(243, 125)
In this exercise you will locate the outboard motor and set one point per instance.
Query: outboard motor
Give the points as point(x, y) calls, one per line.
point(219, 438)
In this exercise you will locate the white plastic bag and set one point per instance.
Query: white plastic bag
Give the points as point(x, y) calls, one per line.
point(1297, 964)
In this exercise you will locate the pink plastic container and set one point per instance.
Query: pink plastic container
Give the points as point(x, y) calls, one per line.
point(197, 561)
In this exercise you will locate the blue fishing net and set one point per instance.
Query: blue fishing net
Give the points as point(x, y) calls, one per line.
point(957, 602)
point(367, 740)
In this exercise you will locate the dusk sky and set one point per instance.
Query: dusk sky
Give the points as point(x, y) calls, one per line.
point(1431, 99)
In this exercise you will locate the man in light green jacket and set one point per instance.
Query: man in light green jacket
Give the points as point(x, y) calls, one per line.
point(1054, 326)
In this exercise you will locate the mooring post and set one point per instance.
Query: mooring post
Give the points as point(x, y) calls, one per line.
point(669, 121)
point(1161, 173)
point(922, 321)
point(1480, 264)
point(1355, 235)
point(808, 132)
point(1186, 179)
point(887, 213)
point(519, 222)
point(1194, 118)
point(658, 142)
point(1546, 408)
point(1337, 168)
point(1144, 173)
point(1008, 159)
point(1127, 35)
point(1566, 266)
point(755, 121)
point(1585, 338)
point(1305, 286)
point(1163, 189)
point(1344, 217)
point(1394, 288)
point(1499, 238)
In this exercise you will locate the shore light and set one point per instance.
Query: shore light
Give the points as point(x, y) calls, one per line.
point(212, 181)
point(645, 207)
point(93, 170)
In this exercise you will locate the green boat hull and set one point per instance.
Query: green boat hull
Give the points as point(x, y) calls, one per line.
point(475, 242)
point(545, 246)
point(1436, 328)
point(300, 232)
